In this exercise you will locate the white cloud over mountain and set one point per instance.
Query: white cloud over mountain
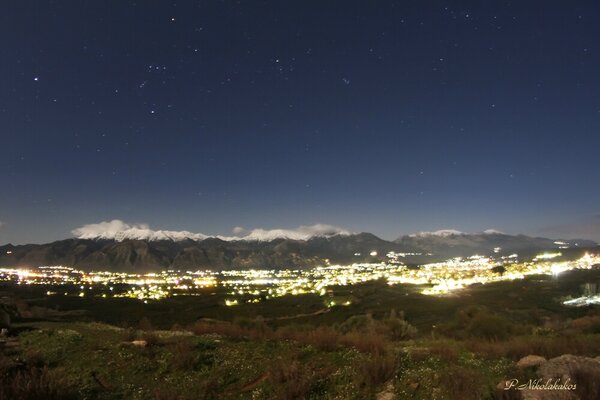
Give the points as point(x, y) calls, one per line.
point(450, 232)
point(300, 233)
point(120, 230)
point(441, 232)
point(493, 232)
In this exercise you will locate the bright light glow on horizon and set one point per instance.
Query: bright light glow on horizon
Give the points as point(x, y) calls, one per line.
point(256, 285)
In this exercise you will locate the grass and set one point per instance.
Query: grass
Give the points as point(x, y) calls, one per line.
point(210, 366)
point(207, 366)
point(545, 346)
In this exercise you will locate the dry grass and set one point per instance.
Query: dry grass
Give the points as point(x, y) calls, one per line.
point(145, 324)
point(290, 381)
point(183, 356)
point(33, 383)
point(588, 324)
point(30, 379)
point(151, 338)
point(461, 383)
point(231, 330)
point(444, 350)
point(323, 337)
point(546, 346)
point(370, 343)
point(128, 334)
point(378, 369)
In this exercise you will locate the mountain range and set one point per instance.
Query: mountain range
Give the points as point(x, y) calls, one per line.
point(150, 253)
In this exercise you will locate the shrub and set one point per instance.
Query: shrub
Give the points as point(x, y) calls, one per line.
point(358, 323)
point(151, 338)
point(488, 326)
point(34, 359)
point(377, 369)
point(546, 346)
point(183, 356)
point(397, 328)
point(324, 338)
point(587, 324)
point(255, 327)
point(36, 384)
point(242, 328)
point(290, 380)
point(479, 322)
point(128, 334)
point(367, 343)
point(444, 350)
point(164, 393)
point(219, 328)
point(145, 324)
point(461, 383)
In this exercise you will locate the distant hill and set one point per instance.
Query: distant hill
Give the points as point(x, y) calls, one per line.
point(134, 255)
point(450, 243)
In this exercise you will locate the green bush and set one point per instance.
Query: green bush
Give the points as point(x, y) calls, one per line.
point(398, 328)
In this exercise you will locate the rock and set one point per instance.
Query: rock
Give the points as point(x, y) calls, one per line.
point(501, 394)
point(568, 365)
point(387, 393)
point(566, 377)
point(584, 372)
point(140, 343)
point(530, 361)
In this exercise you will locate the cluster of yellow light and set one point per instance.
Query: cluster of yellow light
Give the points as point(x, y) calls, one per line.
point(254, 285)
point(457, 273)
point(275, 283)
point(139, 286)
point(547, 256)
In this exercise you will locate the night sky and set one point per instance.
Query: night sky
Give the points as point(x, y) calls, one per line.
point(379, 116)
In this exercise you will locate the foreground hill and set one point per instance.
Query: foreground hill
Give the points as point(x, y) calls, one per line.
point(136, 255)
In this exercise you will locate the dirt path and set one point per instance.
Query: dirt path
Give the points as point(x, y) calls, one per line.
point(253, 384)
point(318, 312)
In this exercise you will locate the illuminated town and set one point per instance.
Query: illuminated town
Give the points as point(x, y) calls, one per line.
point(256, 285)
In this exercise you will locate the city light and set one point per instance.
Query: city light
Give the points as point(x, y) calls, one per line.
point(256, 285)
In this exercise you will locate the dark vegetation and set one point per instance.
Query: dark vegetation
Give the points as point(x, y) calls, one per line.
point(455, 347)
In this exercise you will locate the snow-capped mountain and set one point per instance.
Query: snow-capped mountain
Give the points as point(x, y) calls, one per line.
point(118, 246)
point(119, 230)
